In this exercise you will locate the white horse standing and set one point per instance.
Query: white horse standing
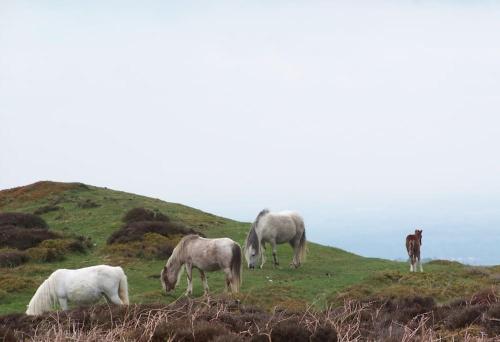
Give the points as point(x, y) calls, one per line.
point(205, 255)
point(276, 228)
point(82, 286)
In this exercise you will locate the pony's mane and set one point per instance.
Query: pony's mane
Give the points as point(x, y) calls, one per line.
point(252, 238)
point(44, 298)
point(179, 250)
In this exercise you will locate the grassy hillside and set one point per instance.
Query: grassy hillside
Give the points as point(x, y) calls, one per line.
point(328, 275)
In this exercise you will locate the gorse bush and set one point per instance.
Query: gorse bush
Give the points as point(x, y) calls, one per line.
point(22, 220)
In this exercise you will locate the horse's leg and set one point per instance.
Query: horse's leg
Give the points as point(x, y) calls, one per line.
point(204, 280)
point(295, 245)
point(420, 264)
point(63, 302)
point(115, 299)
point(275, 257)
point(111, 295)
point(189, 273)
point(263, 254)
point(227, 271)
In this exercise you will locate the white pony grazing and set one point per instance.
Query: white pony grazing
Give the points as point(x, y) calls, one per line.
point(276, 228)
point(82, 286)
point(205, 255)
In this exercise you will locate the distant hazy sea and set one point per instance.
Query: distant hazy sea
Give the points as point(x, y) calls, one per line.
point(473, 243)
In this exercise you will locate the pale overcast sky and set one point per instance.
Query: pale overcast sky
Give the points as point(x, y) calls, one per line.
point(235, 106)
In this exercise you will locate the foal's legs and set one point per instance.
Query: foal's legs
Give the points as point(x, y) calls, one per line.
point(189, 273)
point(204, 280)
point(420, 264)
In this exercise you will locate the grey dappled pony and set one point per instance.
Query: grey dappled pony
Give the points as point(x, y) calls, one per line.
point(276, 228)
point(205, 255)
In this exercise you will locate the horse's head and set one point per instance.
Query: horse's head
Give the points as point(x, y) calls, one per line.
point(252, 252)
point(252, 256)
point(418, 234)
point(166, 280)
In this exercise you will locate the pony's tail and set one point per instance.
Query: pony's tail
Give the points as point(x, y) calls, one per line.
point(123, 289)
point(44, 298)
point(303, 247)
point(236, 268)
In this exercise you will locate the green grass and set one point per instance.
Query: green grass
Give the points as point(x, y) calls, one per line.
point(327, 273)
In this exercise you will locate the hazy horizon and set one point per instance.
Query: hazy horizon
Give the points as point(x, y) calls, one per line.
point(371, 118)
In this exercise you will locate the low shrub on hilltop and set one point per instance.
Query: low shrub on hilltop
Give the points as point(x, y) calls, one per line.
point(21, 238)
point(22, 220)
point(25, 237)
point(135, 231)
point(143, 214)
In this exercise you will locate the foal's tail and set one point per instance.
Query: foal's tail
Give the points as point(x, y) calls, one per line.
point(123, 289)
point(236, 268)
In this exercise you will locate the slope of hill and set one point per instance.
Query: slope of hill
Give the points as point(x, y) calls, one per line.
point(328, 275)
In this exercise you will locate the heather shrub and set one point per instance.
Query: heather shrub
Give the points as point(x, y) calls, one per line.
point(143, 214)
point(223, 320)
point(465, 316)
point(21, 238)
point(135, 231)
point(324, 333)
point(22, 220)
point(289, 331)
point(12, 257)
